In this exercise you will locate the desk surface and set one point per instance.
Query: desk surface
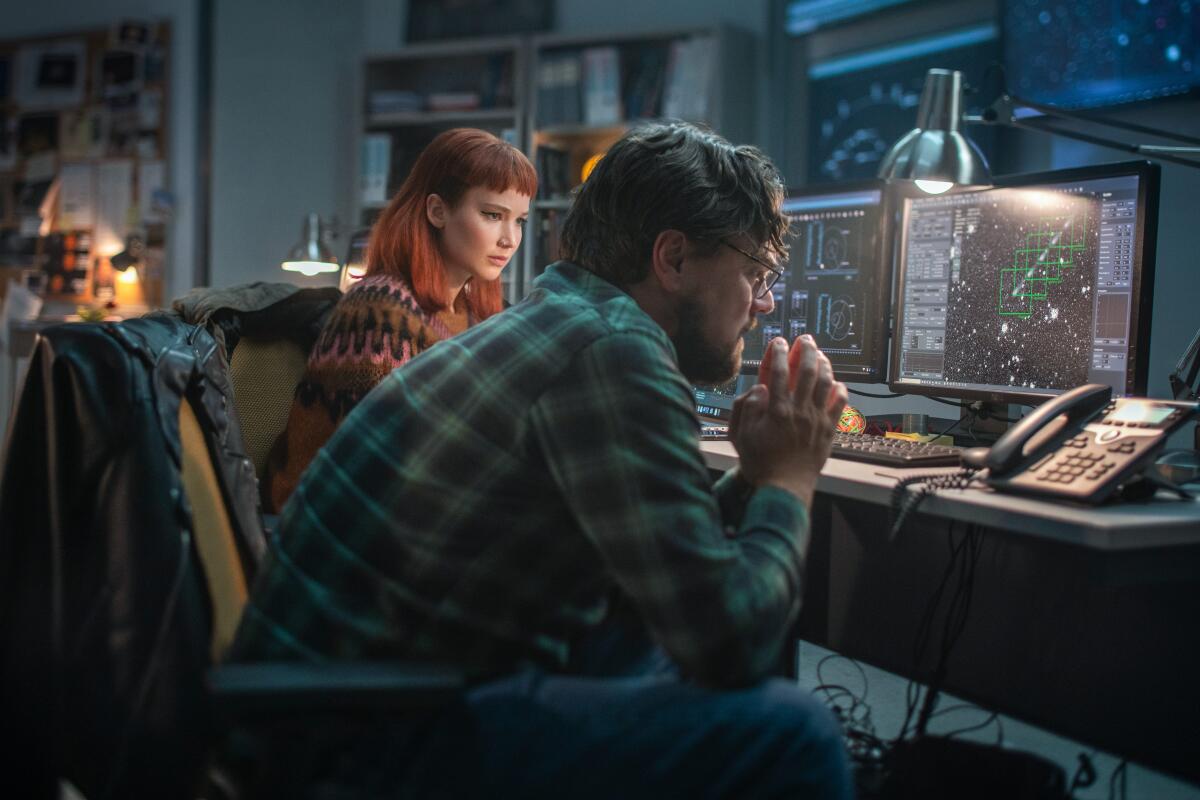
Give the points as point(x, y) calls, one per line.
point(1162, 522)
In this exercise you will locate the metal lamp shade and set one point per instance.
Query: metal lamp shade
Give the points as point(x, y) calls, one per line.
point(936, 150)
point(311, 256)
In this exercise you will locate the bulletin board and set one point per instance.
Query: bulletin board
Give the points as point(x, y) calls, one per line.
point(83, 162)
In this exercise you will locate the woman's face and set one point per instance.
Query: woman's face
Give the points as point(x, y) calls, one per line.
point(480, 234)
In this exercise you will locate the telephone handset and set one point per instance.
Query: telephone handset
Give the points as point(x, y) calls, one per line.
point(1081, 445)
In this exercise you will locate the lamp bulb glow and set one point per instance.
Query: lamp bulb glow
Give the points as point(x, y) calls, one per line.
point(309, 268)
point(934, 187)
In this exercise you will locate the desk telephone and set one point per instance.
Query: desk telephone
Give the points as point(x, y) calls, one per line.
point(1082, 445)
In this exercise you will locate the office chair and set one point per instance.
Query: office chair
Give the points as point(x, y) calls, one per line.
point(129, 538)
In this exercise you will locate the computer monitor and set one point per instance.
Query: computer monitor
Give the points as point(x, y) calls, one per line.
point(1020, 292)
point(715, 403)
point(837, 283)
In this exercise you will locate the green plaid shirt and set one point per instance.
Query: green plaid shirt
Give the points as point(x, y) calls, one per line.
point(485, 501)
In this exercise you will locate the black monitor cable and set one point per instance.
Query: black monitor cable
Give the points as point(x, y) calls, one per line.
point(992, 718)
point(888, 396)
point(1118, 778)
point(1085, 773)
point(862, 743)
point(960, 568)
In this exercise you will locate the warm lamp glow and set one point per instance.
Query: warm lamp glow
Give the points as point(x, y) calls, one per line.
point(590, 165)
point(311, 256)
point(128, 276)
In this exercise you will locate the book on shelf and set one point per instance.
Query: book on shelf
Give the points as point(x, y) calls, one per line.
point(601, 86)
point(376, 162)
point(497, 84)
point(690, 71)
point(553, 167)
point(559, 78)
point(550, 225)
point(394, 101)
point(645, 73)
point(454, 101)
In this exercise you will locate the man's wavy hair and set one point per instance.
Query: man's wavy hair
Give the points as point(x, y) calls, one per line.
point(672, 176)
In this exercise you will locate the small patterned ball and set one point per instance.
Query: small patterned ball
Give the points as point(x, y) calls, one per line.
point(852, 421)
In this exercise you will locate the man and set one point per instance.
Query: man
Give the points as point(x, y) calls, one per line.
point(528, 501)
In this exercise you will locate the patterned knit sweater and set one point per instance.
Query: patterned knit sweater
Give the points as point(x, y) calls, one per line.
point(376, 327)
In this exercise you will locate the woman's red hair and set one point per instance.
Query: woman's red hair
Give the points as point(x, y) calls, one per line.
point(403, 242)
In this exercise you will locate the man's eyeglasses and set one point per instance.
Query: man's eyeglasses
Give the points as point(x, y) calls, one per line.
point(765, 280)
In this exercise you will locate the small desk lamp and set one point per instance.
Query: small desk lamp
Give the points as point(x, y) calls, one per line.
point(937, 155)
point(130, 256)
point(311, 256)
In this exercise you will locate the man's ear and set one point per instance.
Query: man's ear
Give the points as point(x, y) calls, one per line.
point(666, 259)
point(436, 210)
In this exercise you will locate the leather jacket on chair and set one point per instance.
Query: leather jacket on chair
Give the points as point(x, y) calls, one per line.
point(104, 616)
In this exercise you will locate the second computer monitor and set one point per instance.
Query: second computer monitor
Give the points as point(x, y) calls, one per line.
point(836, 284)
point(1021, 292)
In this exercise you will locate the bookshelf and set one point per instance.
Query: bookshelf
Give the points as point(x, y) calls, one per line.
point(412, 95)
point(585, 92)
point(560, 98)
point(84, 163)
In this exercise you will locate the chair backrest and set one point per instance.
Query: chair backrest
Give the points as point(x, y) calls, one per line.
point(264, 373)
point(214, 534)
point(129, 532)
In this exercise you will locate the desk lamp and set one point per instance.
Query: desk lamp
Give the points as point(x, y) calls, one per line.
point(311, 256)
point(936, 155)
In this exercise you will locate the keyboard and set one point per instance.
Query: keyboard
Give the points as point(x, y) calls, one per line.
point(713, 433)
point(894, 452)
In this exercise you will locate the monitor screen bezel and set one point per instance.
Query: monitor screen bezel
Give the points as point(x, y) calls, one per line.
point(881, 297)
point(1142, 284)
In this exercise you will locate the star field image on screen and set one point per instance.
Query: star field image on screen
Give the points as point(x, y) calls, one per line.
point(1022, 289)
point(1089, 53)
point(826, 288)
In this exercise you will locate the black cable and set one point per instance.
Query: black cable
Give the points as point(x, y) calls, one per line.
point(953, 624)
point(912, 693)
point(955, 403)
point(903, 505)
point(1085, 773)
point(869, 394)
point(970, 414)
point(1118, 774)
point(993, 716)
point(862, 743)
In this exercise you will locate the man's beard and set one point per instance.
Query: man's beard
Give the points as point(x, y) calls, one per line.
point(701, 361)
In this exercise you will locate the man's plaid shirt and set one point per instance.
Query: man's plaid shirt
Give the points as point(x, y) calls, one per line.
point(485, 501)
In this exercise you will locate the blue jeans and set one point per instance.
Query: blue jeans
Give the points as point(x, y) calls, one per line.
point(622, 726)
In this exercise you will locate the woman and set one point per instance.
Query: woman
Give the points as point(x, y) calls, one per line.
point(433, 270)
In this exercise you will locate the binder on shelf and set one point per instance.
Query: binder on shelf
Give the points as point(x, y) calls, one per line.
point(690, 70)
point(376, 161)
point(645, 74)
point(559, 89)
point(553, 166)
point(550, 225)
point(601, 86)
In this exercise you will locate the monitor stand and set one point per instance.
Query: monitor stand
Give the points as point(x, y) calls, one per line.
point(988, 423)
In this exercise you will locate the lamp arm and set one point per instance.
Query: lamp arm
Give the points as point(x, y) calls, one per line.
point(1184, 385)
point(1005, 104)
point(1001, 113)
point(1137, 149)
